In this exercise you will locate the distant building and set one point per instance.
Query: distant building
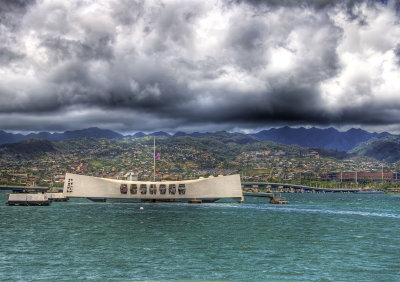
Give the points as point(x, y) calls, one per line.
point(130, 176)
point(312, 155)
point(353, 176)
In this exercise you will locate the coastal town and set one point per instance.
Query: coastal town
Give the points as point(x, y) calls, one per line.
point(190, 158)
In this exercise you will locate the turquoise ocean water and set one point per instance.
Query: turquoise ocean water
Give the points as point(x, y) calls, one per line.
point(318, 237)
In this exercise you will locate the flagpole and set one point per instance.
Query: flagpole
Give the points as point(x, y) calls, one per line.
point(154, 156)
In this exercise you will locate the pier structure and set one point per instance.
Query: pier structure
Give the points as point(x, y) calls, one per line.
point(274, 198)
point(22, 189)
point(33, 195)
point(25, 199)
point(294, 188)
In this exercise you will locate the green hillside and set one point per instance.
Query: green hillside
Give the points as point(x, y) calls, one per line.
point(28, 148)
point(385, 149)
point(182, 157)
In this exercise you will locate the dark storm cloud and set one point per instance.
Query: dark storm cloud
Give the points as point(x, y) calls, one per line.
point(317, 4)
point(14, 5)
point(193, 64)
point(7, 56)
point(282, 104)
point(8, 7)
point(62, 49)
point(349, 6)
point(397, 53)
point(11, 12)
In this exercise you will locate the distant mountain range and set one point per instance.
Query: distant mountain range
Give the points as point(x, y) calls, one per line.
point(329, 138)
point(328, 142)
point(92, 132)
point(221, 145)
point(178, 134)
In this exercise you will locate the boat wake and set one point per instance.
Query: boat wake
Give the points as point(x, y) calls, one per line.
point(298, 209)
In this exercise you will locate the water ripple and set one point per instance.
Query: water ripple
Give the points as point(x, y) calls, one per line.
point(323, 211)
point(315, 238)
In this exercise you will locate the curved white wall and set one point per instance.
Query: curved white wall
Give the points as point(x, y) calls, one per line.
point(217, 187)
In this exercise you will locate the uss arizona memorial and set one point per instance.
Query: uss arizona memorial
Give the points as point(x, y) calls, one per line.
point(199, 190)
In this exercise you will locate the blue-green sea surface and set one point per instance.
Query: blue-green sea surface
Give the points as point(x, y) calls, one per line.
point(317, 237)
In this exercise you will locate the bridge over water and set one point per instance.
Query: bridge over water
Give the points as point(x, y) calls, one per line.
point(295, 188)
point(24, 188)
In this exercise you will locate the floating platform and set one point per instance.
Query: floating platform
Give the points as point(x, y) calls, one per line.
point(26, 199)
point(57, 197)
point(274, 198)
point(278, 200)
point(195, 201)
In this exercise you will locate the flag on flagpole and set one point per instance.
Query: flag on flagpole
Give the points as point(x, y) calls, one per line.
point(158, 157)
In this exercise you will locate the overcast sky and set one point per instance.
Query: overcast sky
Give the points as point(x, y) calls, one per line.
point(199, 65)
